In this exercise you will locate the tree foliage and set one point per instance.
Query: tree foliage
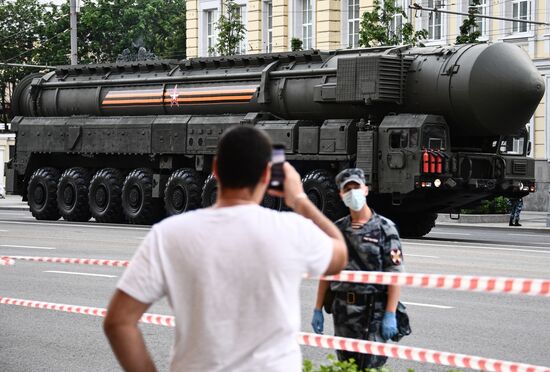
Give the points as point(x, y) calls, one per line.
point(231, 30)
point(377, 28)
point(296, 44)
point(469, 31)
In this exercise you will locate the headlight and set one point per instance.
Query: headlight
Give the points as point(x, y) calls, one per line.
point(437, 182)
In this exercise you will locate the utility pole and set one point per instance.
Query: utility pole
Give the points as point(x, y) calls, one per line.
point(74, 53)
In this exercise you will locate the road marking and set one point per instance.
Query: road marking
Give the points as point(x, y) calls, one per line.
point(420, 255)
point(534, 235)
point(484, 247)
point(24, 246)
point(3, 230)
point(83, 274)
point(428, 305)
point(449, 233)
point(65, 224)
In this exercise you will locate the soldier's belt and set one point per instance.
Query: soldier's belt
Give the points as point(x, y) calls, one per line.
point(359, 299)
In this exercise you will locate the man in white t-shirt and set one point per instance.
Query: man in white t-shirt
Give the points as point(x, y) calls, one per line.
point(231, 272)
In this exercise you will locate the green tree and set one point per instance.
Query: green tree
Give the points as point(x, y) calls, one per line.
point(469, 31)
point(295, 44)
point(377, 29)
point(231, 31)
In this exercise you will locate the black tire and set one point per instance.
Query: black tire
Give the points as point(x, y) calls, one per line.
point(105, 196)
point(272, 202)
point(72, 195)
point(138, 204)
point(321, 189)
point(42, 194)
point(209, 191)
point(415, 225)
point(183, 191)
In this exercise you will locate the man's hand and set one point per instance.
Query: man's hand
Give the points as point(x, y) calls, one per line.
point(389, 326)
point(318, 321)
point(292, 187)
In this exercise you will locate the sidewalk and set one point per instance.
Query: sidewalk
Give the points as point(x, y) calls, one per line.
point(13, 203)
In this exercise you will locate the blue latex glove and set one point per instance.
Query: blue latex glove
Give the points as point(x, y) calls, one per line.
point(318, 321)
point(389, 326)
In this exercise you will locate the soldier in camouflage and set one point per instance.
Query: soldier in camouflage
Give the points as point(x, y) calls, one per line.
point(363, 311)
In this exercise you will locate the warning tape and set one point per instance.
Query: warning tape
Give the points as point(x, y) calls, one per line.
point(532, 287)
point(327, 342)
point(68, 260)
point(164, 320)
point(6, 261)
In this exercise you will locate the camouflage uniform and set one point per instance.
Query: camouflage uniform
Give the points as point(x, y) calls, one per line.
point(358, 309)
point(516, 205)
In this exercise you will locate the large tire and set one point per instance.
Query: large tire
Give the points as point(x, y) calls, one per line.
point(183, 191)
point(415, 225)
point(272, 202)
point(321, 189)
point(209, 191)
point(42, 194)
point(105, 196)
point(72, 195)
point(138, 204)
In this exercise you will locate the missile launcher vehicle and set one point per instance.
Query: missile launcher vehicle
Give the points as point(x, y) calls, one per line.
point(435, 129)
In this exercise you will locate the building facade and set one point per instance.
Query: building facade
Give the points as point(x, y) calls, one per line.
point(334, 24)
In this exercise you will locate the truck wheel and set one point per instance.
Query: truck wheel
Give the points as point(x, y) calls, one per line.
point(322, 191)
point(72, 195)
point(415, 225)
point(42, 194)
point(183, 191)
point(138, 204)
point(272, 202)
point(105, 196)
point(209, 191)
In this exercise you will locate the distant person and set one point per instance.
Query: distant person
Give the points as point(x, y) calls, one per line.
point(2, 192)
point(516, 205)
point(231, 272)
point(363, 311)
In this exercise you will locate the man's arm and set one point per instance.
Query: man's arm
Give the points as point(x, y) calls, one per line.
point(394, 291)
point(296, 199)
point(321, 292)
point(121, 328)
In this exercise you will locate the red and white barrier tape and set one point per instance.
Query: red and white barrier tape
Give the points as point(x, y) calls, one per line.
point(532, 287)
point(416, 354)
point(327, 342)
point(164, 320)
point(6, 261)
point(68, 260)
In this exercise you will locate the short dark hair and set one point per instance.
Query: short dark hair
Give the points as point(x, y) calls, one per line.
point(243, 154)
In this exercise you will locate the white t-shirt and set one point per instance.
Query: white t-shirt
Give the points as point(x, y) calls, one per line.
point(232, 276)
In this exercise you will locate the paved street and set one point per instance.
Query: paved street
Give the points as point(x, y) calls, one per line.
point(509, 327)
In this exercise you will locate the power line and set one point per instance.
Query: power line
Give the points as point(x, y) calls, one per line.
point(30, 50)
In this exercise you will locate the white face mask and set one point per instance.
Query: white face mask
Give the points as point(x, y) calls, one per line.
point(355, 199)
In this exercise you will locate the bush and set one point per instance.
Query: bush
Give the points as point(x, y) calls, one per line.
point(498, 205)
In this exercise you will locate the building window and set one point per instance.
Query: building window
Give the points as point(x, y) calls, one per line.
point(396, 24)
point(268, 26)
point(435, 22)
point(242, 46)
point(210, 27)
point(307, 24)
point(352, 23)
point(482, 23)
point(520, 10)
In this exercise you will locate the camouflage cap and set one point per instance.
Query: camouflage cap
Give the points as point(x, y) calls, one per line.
point(350, 175)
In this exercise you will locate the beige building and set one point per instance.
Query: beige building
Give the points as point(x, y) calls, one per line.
point(334, 24)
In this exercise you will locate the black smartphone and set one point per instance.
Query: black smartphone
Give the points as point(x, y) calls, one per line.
point(277, 173)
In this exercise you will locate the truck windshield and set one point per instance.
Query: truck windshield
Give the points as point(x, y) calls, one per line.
point(512, 145)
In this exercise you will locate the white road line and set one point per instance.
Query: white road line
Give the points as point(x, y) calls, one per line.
point(83, 274)
point(420, 255)
point(24, 246)
point(483, 247)
point(64, 225)
point(428, 305)
point(3, 230)
point(449, 233)
point(533, 235)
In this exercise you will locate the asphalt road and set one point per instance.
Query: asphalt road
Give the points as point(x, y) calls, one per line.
point(509, 327)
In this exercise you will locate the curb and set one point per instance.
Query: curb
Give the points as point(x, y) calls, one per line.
point(480, 226)
point(25, 209)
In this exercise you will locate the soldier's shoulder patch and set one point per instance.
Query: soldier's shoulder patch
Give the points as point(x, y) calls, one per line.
point(396, 256)
point(370, 240)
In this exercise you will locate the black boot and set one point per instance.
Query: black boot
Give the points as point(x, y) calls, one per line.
point(517, 223)
point(511, 222)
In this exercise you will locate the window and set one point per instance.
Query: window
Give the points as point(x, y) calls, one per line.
point(268, 26)
point(399, 139)
point(482, 23)
point(353, 20)
point(210, 27)
point(520, 10)
point(307, 24)
point(396, 25)
point(435, 24)
point(242, 46)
